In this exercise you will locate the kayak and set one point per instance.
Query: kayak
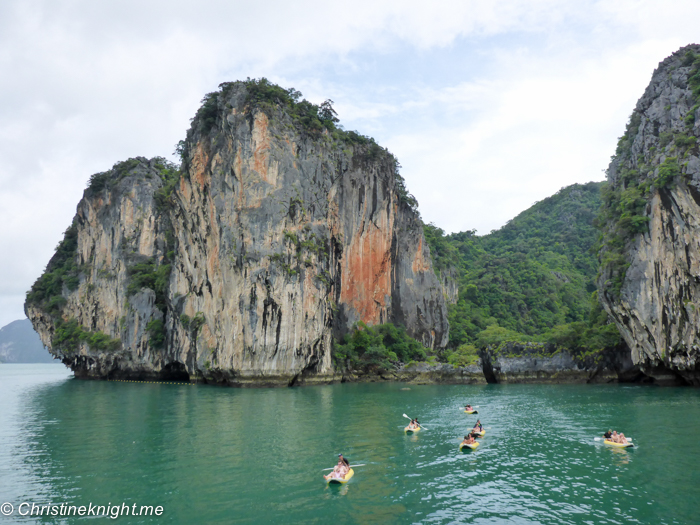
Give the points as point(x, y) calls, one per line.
point(411, 430)
point(471, 411)
point(620, 445)
point(471, 446)
point(480, 434)
point(347, 477)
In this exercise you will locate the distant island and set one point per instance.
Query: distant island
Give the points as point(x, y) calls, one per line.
point(19, 343)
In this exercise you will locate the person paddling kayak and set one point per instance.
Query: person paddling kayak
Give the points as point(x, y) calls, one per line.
point(340, 470)
point(478, 427)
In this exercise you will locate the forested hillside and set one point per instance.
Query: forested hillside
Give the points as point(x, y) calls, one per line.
point(532, 280)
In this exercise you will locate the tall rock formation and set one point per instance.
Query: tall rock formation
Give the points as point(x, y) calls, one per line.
point(279, 232)
point(650, 257)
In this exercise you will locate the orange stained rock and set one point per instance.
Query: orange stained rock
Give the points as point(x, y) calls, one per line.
point(261, 145)
point(184, 189)
point(366, 275)
point(308, 291)
point(199, 165)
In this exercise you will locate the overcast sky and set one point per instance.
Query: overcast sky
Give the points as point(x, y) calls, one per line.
point(489, 105)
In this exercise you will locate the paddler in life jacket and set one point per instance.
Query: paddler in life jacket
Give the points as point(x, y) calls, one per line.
point(478, 427)
point(340, 470)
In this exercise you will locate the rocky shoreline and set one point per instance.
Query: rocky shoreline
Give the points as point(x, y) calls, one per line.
point(561, 368)
point(509, 363)
point(526, 363)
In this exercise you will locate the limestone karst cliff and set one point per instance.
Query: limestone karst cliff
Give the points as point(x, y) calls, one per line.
point(650, 256)
point(279, 232)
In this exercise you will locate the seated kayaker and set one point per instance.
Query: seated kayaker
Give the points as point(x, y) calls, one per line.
point(608, 434)
point(622, 439)
point(478, 427)
point(468, 408)
point(340, 470)
point(468, 439)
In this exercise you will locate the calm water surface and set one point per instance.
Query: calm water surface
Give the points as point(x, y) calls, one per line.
point(218, 455)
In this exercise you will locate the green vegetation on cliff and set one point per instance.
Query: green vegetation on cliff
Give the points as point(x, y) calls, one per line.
point(62, 270)
point(637, 177)
point(376, 348)
point(63, 275)
point(47, 293)
point(532, 280)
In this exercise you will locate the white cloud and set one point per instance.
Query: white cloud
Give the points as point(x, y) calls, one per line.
point(538, 127)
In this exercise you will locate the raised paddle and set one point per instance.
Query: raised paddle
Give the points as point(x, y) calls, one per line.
point(426, 428)
point(351, 466)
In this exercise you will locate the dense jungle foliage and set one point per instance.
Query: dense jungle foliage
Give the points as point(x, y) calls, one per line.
point(376, 348)
point(532, 280)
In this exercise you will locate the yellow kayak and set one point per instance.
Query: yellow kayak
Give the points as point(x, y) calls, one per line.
point(480, 434)
point(471, 446)
point(347, 477)
point(619, 445)
point(411, 430)
point(471, 412)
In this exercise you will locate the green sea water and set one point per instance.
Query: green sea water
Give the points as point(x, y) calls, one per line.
point(220, 455)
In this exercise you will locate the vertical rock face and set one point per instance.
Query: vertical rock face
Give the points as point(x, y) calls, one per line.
point(278, 234)
point(650, 278)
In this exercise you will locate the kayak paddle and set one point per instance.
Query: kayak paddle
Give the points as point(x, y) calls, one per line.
point(351, 466)
point(426, 428)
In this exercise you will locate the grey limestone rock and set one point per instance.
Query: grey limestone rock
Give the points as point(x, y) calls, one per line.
point(276, 237)
point(656, 304)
